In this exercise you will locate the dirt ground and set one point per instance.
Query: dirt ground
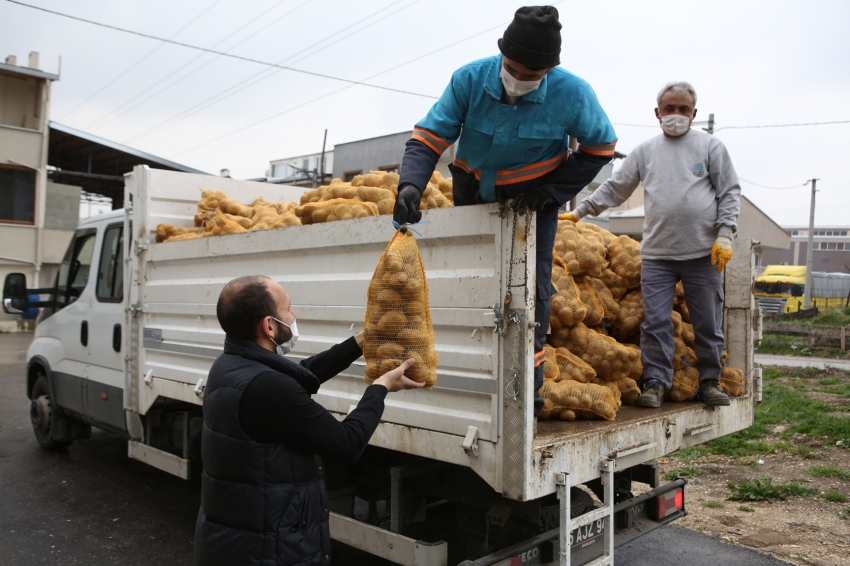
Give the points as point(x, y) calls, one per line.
point(812, 529)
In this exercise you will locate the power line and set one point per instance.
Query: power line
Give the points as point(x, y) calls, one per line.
point(244, 83)
point(134, 65)
point(221, 53)
point(116, 112)
point(774, 188)
point(783, 125)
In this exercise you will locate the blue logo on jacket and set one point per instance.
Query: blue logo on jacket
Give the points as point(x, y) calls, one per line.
point(698, 170)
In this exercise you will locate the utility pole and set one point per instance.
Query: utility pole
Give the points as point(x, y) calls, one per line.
point(807, 294)
point(710, 128)
point(322, 171)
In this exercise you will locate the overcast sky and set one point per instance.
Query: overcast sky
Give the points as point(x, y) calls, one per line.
point(752, 63)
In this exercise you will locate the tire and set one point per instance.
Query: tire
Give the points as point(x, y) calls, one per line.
point(43, 416)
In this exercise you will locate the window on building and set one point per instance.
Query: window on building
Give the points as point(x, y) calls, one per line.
point(349, 175)
point(840, 246)
point(844, 232)
point(17, 195)
point(795, 232)
point(831, 246)
point(390, 168)
point(816, 246)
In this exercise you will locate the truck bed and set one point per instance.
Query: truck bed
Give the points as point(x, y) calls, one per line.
point(472, 256)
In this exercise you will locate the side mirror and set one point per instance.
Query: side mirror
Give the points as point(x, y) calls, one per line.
point(15, 293)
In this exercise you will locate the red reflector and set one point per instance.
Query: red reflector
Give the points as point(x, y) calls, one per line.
point(668, 503)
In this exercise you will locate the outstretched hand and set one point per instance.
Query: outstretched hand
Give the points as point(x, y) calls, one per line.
point(395, 380)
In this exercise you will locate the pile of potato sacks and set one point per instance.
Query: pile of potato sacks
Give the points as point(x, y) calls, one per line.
point(366, 195)
point(592, 357)
point(593, 361)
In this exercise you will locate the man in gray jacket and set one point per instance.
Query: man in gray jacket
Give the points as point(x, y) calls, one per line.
point(691, 202)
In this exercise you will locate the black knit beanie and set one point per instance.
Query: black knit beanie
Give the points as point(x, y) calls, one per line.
point(533, 38)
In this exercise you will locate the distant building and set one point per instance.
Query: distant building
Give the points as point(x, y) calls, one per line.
point(830, 250)
point(382, 153)
point(302, 170)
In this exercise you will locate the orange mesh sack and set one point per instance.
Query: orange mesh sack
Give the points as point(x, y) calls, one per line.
point(615, 284)
point(559, 337)
point(572, 367)
point(579, 254)
point(585, 228)
point(398, 320)
point(610, 306)
point(585, 399)
point(610, 360)
point(228, 224)
point(168, 232)
point(615, 389)
point(595, 311)
point(624, 255)
point(682, 355)
point(567, 308)
point(631, 315)
point(550, 366)
point(732, 381)
point(688, 334)
point(685, 384)
point(676, 319)
point(629, 390)
point(335, 209)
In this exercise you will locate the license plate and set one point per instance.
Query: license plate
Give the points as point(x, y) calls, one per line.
point(587, 534)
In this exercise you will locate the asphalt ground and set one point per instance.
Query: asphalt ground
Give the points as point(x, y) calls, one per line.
point(92, 505)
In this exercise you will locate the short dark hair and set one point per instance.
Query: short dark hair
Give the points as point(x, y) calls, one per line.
point(243, 303)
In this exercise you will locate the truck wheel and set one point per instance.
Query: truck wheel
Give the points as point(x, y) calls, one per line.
point(43, 415)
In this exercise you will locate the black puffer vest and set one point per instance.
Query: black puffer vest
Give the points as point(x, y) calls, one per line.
point(261, 504)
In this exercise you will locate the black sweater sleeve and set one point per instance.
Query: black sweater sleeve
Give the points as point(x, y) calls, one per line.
point(573, 175)
point(275, 408)
point(417, 165)
point(334, 360)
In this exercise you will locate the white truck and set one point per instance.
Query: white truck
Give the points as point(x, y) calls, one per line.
point(128, 333)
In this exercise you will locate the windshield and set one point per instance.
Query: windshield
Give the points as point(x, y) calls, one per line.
point(794, 290)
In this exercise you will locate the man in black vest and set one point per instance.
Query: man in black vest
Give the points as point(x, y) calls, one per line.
point(263, 496)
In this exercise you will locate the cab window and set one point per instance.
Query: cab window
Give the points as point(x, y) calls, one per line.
point(110, 271)
point(74, 272)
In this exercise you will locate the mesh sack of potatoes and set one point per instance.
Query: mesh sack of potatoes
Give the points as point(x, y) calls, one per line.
point(682, 309)
point(629, 390)
point(615, 284)
point(688, 334)
point(572, 367)
point(398, 320)
point(586, 400)
point(682, 355)
point(335, 209)
point(610, 306)
point(732, 381)
point(610, 360)
point(169, 232)
point(685, 384)
point(579, 254)
point(586, 228)
point(550, 366)
point(624, 257)
point(268, 215)
point(567, 307)
point(587, 293)
point(207, 206)
point(630, 316)
point(676, 320)
point(225, 223)
point(559, 337)
point(613, 386)
point(446, 186)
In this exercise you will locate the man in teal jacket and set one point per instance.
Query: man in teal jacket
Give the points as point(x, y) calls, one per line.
point(513, 115)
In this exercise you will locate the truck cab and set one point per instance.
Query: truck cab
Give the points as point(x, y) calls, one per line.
point(75, 372)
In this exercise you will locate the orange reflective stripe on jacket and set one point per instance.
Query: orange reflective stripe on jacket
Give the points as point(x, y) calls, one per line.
point(432, 140)
point(510, 176)
point(602, 149)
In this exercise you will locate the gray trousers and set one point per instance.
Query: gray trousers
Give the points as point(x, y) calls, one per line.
point(704, 296)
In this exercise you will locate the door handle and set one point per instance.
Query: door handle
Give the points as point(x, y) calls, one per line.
point(116, 337)
point(84, 333)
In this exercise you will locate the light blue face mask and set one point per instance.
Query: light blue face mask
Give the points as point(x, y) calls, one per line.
point(286, 347)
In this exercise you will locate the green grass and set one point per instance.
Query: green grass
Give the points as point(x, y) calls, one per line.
point(713, 505)
point(829, 472)
point(764, 490)
point(804, 415)
point(842, 390)
point(832, 317)
point(692, 453)
point(771, 373)
point(835, 497)
point(844, 515)
point(746, 509)
point(830, 381)
point(687, 472)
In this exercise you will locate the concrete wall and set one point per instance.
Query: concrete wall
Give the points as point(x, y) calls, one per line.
point(17, 94)
point(62, 207)
point(376, 153)
point(755, 224)
point(830, 261)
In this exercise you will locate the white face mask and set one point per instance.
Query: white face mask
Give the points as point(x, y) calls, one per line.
point(675, 125)
point(286, 347)
point(515, 88)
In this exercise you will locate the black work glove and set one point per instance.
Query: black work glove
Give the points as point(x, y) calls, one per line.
point(406, 209)
point(534, 198)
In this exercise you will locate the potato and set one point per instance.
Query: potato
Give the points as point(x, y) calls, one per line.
point(388, 365)
point(391, 323)
point(390, 350)
point(389, 298)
